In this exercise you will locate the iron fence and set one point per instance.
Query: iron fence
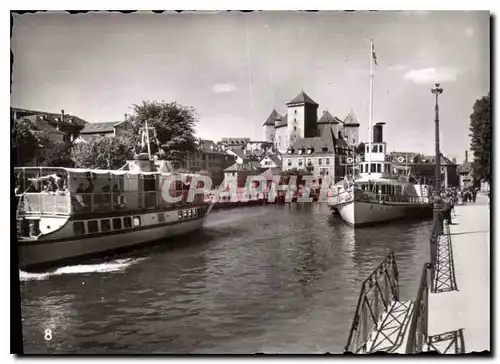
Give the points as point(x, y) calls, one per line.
point(378, 291)
point(418, 334)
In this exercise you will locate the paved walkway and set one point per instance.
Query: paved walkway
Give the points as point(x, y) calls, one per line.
point(460, 317)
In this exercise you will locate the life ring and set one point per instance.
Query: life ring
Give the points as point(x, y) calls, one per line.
point(401, 159)
point(350, 160)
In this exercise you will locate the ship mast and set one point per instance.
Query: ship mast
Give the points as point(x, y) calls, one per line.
point(370, 114)
point(147, 139)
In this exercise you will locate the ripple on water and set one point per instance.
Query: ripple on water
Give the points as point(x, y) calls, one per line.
point(271, 278)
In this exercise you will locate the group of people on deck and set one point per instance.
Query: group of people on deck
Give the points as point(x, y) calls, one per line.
point(54, 185)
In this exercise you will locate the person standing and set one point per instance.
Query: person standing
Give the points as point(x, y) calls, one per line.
point(474, 194)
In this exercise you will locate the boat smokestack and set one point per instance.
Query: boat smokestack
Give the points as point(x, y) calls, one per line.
point(378, 135)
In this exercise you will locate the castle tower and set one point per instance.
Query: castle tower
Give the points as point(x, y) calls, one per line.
point(302, 118)
point(351, 129)
point(327, 122)
point(269, 126)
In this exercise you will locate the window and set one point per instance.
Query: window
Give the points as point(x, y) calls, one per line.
point(127, 222)
point(105, 225)
point(379, 167)
point(327, 161)
point(92, 226)
point(300, 162)
point(137, 221)
point(324, 149)
point(309, 161)
point(161, 217)
point(79, 228)
point(289, 162)
point(367, 149)
point(320, 161)
point(295, 111)
point(295, 128)
point(117, 223)
point(373, 168)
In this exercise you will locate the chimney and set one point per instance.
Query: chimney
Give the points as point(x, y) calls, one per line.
point(62, 115)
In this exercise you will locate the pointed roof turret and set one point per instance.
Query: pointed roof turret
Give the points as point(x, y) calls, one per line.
point(327, 118)
point(351, 119)
point(302, 98)
point(272, 118)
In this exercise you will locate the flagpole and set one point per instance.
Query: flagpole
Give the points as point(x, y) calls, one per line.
point(370, 115)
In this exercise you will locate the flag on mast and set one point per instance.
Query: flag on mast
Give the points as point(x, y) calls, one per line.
point(374, 55)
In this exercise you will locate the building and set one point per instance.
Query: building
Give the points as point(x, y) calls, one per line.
point(423, 167)
point(207, 157)
point(301, 121)
point(270, 161)
point(107, 130)
point(238, 172)
point(57, 127)
point(322, 156)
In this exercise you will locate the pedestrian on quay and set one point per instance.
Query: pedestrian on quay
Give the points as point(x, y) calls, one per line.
point(446, 208)
point(474, 194)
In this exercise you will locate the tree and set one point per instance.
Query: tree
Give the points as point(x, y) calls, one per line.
point(56, 155)
point(174, 126)
point(25, 142)
point(103, 153)
point(480, 127)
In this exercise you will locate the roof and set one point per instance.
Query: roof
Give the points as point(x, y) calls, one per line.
point(272, 157)
point(328, 118)
point(249, 166)
point(96, 128)
point(351, 119)
point(465, 168)
point(42, 125)
point(239, 152)
point(271, 172)
point(272, 118)
point(283, 121)
point(235, 140)
point(68, 118)
point(302, 98)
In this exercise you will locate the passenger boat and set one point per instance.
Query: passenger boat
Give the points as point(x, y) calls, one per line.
point(84, 212)
point(376, 195)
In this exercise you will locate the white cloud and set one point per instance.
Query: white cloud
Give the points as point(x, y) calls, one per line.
point(220, 88)
point(469, 32)
point(430, 75)
point(398, 67)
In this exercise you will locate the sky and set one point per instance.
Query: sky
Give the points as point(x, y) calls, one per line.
point(234, 68)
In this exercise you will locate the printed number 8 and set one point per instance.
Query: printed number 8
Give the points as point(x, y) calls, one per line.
point(48, 335)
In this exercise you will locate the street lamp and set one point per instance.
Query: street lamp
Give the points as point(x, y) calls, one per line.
point(436, 90)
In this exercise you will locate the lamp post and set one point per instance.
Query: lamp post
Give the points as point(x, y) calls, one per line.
point(436, 90)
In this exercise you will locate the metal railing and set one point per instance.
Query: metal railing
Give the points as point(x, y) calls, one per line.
point(377, 292)
point(63, 204)
point(381, 198)
point(418, 330)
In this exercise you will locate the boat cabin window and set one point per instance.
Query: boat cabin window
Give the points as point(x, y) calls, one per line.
point(92, 226)
point(127, 222)
point(117, 223)
point(105, 225)
point(79, 227)
point(137, 221)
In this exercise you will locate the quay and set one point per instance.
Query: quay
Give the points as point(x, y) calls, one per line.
point(451, 311)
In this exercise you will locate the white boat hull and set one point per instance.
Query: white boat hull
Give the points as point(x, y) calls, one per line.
point(358, 213)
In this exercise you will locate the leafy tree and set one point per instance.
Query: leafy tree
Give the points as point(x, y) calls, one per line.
point(174, 124)
point(56, 155)
point(25, 142)
point(103, 153)
point(480, 127)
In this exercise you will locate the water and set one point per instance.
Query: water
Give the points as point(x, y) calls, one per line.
point(274, 279)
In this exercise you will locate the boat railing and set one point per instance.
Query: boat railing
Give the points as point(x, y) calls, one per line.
point(378, 291)
point(44, 203)
point(65, 204)
point(375, 197)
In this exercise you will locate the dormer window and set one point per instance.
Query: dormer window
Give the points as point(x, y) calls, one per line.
point(290, 151)
point(310, 150)
point(301, 151)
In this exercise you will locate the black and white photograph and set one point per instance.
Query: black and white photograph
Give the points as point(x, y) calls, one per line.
point(251, 182)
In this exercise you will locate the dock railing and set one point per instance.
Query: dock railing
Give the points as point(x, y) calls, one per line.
point(418, 334)
point(377, 293)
